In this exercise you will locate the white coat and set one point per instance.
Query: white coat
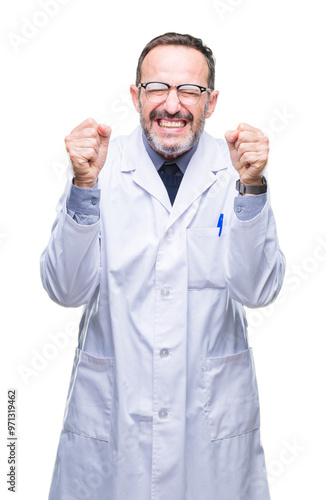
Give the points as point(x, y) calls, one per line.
point(163, 401)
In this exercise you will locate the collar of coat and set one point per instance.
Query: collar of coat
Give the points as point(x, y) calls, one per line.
point(203, 170)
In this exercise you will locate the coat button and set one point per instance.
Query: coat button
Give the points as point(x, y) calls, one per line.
point(163, 414)
point(164, 353)
point(170, 234)
point(94, 201)
point(166, 292)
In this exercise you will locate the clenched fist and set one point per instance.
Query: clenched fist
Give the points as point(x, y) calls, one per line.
point(249, 149)
point(87, 146)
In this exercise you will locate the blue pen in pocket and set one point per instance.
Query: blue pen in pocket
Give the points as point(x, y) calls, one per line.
point(220, 223)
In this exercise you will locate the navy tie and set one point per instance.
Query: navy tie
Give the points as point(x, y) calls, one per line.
point(171, 176)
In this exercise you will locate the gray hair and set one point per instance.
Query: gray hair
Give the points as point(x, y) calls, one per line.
point(186, 41)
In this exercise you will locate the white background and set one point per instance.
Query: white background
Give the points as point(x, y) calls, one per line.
point(270, 59)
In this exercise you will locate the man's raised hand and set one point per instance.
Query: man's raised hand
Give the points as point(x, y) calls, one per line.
point(87, 146)
point(249, 149)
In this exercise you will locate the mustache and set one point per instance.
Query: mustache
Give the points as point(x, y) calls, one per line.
point(177, 116)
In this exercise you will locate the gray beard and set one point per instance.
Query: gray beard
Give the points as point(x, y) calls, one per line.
point(183, 146)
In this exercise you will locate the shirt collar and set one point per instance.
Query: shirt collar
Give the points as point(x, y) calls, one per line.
point(158, 160)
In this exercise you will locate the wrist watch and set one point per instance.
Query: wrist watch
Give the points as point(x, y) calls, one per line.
point(247, 189)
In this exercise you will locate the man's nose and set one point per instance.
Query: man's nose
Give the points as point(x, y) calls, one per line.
point(172, 104)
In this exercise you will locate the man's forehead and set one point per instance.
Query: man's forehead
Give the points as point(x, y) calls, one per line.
point(175, 61)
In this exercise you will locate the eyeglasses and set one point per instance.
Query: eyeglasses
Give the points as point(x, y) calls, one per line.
point(188, 94)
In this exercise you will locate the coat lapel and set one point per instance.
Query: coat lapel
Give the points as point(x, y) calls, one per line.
point(137, 161)
point(202, 172)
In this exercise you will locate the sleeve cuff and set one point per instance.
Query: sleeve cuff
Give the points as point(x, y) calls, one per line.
point(248, 207)
point(83, 204)
point(84, 201)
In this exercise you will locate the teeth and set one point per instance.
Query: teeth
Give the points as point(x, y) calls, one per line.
point(165, 123)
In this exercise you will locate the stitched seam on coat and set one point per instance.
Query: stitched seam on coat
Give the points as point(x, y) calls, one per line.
point(206, 288)
point(84, 435)
point(236, 435)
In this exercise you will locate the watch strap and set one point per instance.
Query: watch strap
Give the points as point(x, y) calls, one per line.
point(247, 189)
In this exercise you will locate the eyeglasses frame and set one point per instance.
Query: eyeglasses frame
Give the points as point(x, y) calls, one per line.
point(202, 89)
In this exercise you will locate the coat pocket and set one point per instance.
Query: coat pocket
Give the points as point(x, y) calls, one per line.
point(232, 404)
point(206, 251)
point(90, 396)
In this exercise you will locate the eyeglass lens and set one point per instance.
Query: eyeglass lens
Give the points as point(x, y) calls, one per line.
point(157, 92)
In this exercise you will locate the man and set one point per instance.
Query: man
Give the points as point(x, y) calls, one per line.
point(163, 400)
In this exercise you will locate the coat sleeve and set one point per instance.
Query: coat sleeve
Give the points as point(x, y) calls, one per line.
point(70, 264)
point(255, 265)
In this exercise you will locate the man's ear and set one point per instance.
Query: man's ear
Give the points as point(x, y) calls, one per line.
point(134, 91)
point(212, 103)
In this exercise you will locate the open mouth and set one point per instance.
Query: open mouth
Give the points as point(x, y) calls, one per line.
point(171, 124)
